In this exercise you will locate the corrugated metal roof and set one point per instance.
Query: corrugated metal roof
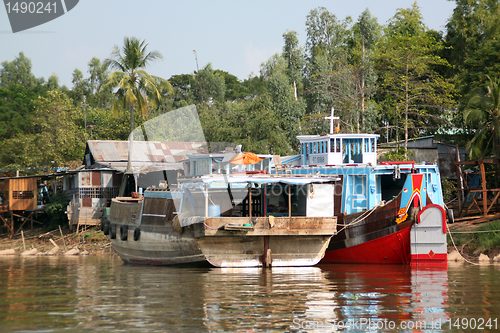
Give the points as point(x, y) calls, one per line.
point(147, 156)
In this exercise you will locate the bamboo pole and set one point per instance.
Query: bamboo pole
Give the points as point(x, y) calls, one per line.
point(62, 236)
point(24, 244)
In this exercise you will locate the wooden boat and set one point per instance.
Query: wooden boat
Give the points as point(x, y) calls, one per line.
point(141, 231)
point(187, 226)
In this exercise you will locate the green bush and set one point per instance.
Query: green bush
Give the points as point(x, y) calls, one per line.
point(398, 154)
point(449, 189)
point(55, 212)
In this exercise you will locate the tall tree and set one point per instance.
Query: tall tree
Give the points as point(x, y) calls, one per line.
point(325, 31)
point(327, 65)
point(483, 112)
point(408, 80)
point(294, 57)
point(17, 107)
point(366, 33)
point(209, 85)
point(54, 139)
point(136, 88)
point(281, 97)
point(18, 72)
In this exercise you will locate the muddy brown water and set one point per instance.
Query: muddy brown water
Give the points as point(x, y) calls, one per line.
point(102, 294)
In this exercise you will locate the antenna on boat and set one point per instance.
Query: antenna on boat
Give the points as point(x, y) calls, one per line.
point(332, 118)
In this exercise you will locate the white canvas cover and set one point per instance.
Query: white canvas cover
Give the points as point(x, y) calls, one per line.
point(320, 200)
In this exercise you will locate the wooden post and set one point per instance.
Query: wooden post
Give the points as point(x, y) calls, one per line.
point(459, 182)
point(265, 200)
point(12, 225)
point(24, 244)
point(250, 200)
point(496, 184)
point(62, 236)
point(484, 190)
point(206, 201)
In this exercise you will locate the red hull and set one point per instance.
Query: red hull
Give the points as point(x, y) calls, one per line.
point(390, 249)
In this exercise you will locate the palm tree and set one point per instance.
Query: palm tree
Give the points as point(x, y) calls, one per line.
point(136, 89)
point(483, 109)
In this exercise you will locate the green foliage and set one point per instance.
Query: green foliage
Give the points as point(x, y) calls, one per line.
point(89, 90)
point(244, 123)
point(449, 189)
point(398, 154)
point(16, 110)
point(54, 139)
point(415, 94)
point(55, 212)
point(17, 72)
point(209, 86)
point(483, 112)
point(136, 88)
point(401, 79)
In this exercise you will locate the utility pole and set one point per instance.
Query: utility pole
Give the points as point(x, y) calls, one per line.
point(199, 79)
point(84, 104)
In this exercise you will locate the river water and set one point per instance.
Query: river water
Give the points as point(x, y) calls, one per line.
point(101, 294)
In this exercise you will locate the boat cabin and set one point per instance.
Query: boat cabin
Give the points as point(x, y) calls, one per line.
point(336, 149)
point(257, 196)
point(364, 182)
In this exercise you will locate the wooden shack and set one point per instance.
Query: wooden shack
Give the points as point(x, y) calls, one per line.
point(18, 197)
point(18, 194)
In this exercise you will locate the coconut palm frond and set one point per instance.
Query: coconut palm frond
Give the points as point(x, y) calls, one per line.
point(483, 111)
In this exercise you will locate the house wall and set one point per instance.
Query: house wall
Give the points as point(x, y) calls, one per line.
point(90, 192)
point(22, 193)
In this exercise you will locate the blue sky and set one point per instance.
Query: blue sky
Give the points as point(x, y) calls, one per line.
point(235, 36)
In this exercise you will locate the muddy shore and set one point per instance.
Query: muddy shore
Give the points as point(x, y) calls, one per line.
point(91, 241)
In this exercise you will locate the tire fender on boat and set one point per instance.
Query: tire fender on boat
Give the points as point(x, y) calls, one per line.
point(112, 230)
point(123, 232)
point(137, 233)
point(105, 227)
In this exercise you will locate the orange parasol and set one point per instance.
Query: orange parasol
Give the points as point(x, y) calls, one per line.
point(245, 159)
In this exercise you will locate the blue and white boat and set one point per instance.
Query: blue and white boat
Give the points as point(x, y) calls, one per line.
point(390, 212)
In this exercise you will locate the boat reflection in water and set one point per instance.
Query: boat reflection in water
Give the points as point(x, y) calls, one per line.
point(101, 294)
point(347, 298)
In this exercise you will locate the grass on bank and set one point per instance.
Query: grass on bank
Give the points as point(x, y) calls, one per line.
point(482, 240)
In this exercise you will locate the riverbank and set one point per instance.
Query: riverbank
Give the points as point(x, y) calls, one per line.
point(472, 240)
point(91, 241)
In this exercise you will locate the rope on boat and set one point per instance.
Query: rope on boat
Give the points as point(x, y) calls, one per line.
point(209, 227)
point(471, 232)
point(362, 216)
